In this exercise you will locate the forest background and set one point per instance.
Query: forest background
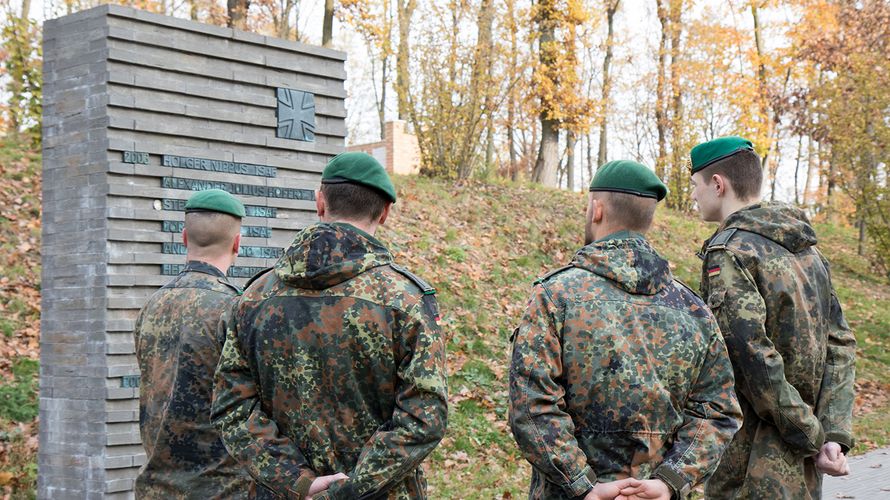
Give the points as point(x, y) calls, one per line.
point(514, 104)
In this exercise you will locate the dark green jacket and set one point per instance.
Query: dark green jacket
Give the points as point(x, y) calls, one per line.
point(618, 370)
point(791, 350)
point(333, 363)
point(178, 349)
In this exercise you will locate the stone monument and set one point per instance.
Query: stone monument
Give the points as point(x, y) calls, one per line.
point(139, 111)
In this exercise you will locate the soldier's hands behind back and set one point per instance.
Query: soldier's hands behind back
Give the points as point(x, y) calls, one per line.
point(322, 483)
point(650, 489)
point(609, 491)
point(831, 460)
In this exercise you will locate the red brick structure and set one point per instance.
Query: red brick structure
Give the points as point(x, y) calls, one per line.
point(397, 152)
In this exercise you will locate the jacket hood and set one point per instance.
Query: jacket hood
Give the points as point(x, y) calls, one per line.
point(327, 254)
point(782, 223)
point(631, 264)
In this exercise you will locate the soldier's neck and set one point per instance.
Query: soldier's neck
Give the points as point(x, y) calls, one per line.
point(732, 205)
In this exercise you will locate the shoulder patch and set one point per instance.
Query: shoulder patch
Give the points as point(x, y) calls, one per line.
point(423, 285)
point(256, 277)
point(722, 238)
point(429, 293)
point(226, 283)
point(553, 273)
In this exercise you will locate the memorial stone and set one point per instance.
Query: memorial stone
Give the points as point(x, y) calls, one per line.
point(140, 110)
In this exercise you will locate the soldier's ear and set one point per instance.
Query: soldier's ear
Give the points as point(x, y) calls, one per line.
point(597, 210)
point(719, 183)
point(236, 244)
point(320, 204)
point(385, 214)
point(185, 238)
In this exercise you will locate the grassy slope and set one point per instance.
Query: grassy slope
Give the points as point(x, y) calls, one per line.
point(19, 316)
point(482, 246)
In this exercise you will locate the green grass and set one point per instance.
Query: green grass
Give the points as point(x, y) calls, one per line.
point(18, 395)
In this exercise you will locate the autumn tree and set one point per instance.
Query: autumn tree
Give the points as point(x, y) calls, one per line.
point(374, 23)
point(848, 42)
point(556, 81)
point(611, 8)
point(455, 88)
point(21, 67)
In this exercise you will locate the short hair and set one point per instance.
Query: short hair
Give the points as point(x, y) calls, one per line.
point(348, 200)
point(628, 210)
point(210, 232)
point(743, 170)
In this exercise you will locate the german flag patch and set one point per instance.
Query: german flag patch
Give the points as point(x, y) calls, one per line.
point(713, 271)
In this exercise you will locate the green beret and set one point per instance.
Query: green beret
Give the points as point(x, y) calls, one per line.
point(359, 168)
point(215, 200)
point(626, 176)
point(708, 153)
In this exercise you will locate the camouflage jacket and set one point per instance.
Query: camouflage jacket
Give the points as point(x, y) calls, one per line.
point(619, 370)
point(333, 363)
point(790, 346)
point(178, 349)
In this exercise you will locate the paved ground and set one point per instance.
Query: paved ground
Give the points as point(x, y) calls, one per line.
point(869, 478)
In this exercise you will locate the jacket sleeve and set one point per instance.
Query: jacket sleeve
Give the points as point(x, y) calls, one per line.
point(419, 417)
point(544, 432)
point(711, 416)
point(835, 404)
point(759, 368)
point(249, 435)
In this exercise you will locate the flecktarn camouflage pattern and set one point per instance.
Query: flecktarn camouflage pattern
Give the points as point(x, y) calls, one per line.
point(791, 349)
point(618, 370)
point(333, 363)
point(178, 350)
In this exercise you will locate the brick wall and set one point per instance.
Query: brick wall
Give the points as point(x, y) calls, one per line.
point(397, 152)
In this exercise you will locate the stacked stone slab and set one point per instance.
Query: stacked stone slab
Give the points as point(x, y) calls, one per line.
point(122, 89)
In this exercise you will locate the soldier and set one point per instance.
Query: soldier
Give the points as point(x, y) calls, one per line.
point(619, 371)
point(333, 371)
point(790, 346)
point(178, 349)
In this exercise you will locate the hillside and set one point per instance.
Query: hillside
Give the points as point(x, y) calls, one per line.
point(482, 246)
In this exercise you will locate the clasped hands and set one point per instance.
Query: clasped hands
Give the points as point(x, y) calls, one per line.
point(831, 460)
point(322, 483)
point(630, 489)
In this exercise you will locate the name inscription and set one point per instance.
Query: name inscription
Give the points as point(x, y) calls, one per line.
point(176, 226)
point(233, 272)
point(238, 189)
point(244, 251)
point(250, 210)
point(221, 166)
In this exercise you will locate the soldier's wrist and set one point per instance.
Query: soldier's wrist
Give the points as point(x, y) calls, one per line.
point(844, 439)
point(679, 486)
point(582, 484)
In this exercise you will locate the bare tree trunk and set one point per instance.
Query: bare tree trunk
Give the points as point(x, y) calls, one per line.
point(590, 165)
point(661, 121)
point(571, 139)
point(511, 98)
point(830, 182)
point(679, 197)
point(327, 29)
point(611, 8)
point(764, 97)
point(811, 167)
point(405, 11)
point(797, 168)
point(237, 10)
point(548, 153)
